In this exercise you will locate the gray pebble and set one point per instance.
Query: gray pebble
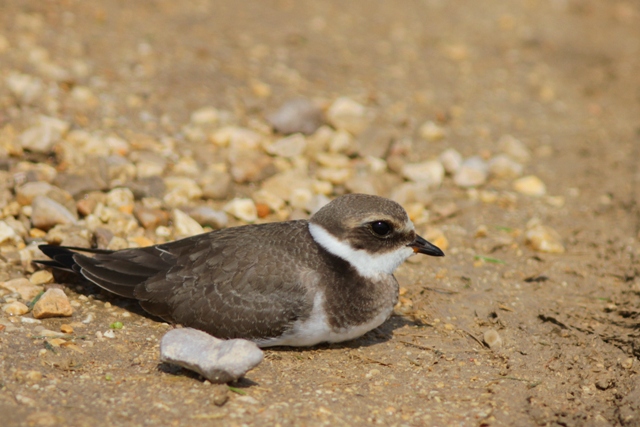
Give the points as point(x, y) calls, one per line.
point(296, 116)
point(219, 361)
point(207, 216)
point(47, 213)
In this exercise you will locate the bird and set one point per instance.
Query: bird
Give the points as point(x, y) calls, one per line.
point(295, 283)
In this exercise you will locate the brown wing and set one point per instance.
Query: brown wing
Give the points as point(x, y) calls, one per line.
point(240, 282)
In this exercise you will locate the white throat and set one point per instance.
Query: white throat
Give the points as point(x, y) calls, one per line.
point(368, 265)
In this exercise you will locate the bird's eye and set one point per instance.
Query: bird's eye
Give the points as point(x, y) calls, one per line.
point(381, 228)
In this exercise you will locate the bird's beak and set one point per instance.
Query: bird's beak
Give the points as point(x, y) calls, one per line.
point(421, 246)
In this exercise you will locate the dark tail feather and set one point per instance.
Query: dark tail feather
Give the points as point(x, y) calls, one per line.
point(119, 272)
point(61, 257)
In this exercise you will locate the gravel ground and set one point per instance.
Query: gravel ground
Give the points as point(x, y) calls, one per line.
point(509, 132)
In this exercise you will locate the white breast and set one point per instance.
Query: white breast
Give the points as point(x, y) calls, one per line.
point(316, 329)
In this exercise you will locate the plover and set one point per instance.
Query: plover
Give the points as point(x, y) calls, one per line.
point(294, 283)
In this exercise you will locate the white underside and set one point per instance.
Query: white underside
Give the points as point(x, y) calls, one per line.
point(368, 265)
point(316, 329)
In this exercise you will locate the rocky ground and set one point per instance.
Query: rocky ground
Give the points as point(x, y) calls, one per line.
point(509, 131)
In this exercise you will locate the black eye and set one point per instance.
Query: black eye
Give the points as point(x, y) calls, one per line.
point(381, 228)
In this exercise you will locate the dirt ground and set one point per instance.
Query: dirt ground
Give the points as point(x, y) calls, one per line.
point(560, 75)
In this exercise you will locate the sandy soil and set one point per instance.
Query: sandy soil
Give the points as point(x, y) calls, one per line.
point(562, 76)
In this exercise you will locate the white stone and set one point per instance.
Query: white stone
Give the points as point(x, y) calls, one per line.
point(503, 167)
point(472, 173)
point(298, 115)
point(15, 308)
point(219, 361)
point(300, 198)
point(205, 116)
point(243, 209)
point(430, 172)
point(334, 175)
point(281, 185)
point(451, 160)
point(290, 146)
point(119, 198)
point(184, 225)
point(431, 131)
point(265, 197)
point(341, 142)
point(514, 148)
point(349, 115)
point(8, 234)
point(543, 239)
point(333, 160)
point(42, 137)
point(24, 87)
point(530, 185)
point(236, 137)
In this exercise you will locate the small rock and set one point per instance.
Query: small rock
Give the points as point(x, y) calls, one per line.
point(514, 148)
point(30, 190)
point(432, 132)
point(41, 277)
point(219, 394)
point(181, 191)
point(349, 115)
point(66, 329)
point(48, 333)
point(472, 173)
point(411, 192)
point(493, 339)
point(530, 185)
point(24, 287)
point(430, 173)
point(451, 160)
point(291, 146)
point(300, 198)
point(281, 184)
point(361, 184)
point(53, 303)
point(48, 213)
point(184, 225)
point(243, 209)
point(250, 166)
point(209, 217)
point(205, 116)
point(543, 238)
point(342, 142)
point(296, 116)
point(215, 183)
point(15, 308)
point(272, 201)
point(219, 361)
point(503, 167)
point(121, 199)
point(336, 176)
point(333, 160)
point(45, 135)
point(150, 218)
point(236, 136)
point(263, 210)
point(8, 234)
point(24, 87)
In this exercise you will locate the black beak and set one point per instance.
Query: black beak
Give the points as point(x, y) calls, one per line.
point(421, 246)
